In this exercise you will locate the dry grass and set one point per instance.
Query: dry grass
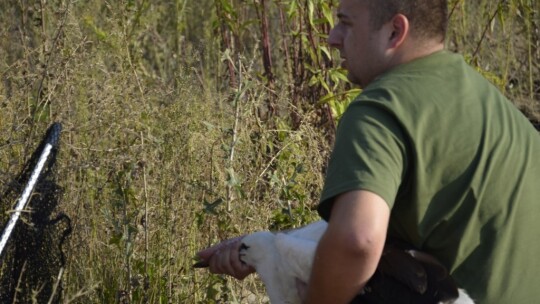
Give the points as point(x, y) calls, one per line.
point(159, 158)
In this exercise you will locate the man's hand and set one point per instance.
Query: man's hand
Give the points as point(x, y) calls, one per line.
point(223, 258)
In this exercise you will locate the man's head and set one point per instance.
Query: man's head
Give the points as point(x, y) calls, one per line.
point(428, 19)
point(374, 36)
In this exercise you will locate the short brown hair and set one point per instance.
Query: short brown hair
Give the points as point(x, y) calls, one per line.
point(427, 18)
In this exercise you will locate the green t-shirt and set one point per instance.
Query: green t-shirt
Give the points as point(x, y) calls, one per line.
point(459, 166)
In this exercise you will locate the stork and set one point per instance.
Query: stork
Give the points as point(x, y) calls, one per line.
point(404, 275)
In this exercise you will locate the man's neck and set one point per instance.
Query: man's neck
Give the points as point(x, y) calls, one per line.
point(414, 49)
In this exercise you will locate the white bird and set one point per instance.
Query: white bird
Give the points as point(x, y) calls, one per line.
point(281, 258)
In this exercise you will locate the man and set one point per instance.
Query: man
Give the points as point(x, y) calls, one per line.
point(429, 153)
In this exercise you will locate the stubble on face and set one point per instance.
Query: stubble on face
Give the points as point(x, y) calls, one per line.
point(359, 46)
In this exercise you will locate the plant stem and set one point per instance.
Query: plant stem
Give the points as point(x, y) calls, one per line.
point(145, 226)
point(475, 53)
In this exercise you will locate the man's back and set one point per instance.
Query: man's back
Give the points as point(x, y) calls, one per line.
point(466, 157)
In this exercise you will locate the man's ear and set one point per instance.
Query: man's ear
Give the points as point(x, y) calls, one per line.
point(399, 30)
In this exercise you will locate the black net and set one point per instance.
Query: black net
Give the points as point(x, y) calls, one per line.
point(32, 262)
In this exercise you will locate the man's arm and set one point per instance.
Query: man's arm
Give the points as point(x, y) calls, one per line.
point(350, 249)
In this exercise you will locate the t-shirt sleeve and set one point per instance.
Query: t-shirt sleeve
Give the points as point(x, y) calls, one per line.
point(369, 154)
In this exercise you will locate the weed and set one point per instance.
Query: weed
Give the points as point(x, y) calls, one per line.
point(187, 122)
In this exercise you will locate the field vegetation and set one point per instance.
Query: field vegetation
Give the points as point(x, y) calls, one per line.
point(188, 122)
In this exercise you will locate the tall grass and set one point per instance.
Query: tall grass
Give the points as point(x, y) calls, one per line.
point(186, 122)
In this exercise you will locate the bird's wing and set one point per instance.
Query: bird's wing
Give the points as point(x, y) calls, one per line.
point(463, 298)
point(313, 231)
point(297, 253)
point(259, 250)
point(403, 267)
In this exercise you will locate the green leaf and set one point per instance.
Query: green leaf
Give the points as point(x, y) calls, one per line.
point(325, 50)
point(208, 125)
point(293, 9)
point(233, 180)
point(328, 14)
point(311, 12)
point(211, 207)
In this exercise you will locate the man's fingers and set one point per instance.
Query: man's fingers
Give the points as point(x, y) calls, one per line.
point(223, 258)
point(207, 253)
point(235, 256)
point(220, 262)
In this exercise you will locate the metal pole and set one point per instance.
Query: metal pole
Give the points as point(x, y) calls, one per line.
point(21, 203)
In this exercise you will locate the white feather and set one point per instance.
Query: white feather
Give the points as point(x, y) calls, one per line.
point(281, 258)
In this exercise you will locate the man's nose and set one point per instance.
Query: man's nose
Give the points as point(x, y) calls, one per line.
point(334, 38)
